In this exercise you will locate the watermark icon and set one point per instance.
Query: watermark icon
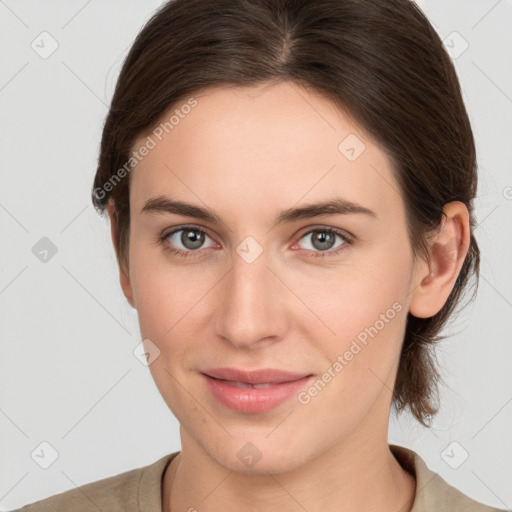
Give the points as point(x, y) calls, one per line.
point(143, 150)
point(454, 455)
point(351, 147)
point(146, 352)
point(44, 250)
point(44, 45)
point(507, 193)
point(305, 397)
point(44, 455)
point(249, 249)
point(455, 45)
point(249, 455)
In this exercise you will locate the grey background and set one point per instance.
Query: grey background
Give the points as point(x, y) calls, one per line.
point(68, 375)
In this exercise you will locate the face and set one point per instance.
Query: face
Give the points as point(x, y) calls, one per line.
point(265, 281)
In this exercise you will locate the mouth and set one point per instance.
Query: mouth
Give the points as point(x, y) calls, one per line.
point(255, 376)
point(253, 391)
point(246, 384)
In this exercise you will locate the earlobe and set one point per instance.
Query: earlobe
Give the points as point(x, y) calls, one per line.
point(126, 286)
point(448, 248)
point(124, 276)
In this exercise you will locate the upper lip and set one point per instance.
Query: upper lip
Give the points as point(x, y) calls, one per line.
point(261, 376)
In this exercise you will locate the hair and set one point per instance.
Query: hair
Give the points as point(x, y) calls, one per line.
point(382, 63)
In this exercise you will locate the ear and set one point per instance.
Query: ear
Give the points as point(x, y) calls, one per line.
point(124, 276)
point(448, 247)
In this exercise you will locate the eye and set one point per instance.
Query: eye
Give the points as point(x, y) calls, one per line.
point(188, 240)
point(185, 240)
point(323, 240)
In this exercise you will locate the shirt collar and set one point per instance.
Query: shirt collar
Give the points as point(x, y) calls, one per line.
point(432, 492)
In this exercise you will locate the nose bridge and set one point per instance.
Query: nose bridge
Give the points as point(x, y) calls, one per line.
point(251, 306)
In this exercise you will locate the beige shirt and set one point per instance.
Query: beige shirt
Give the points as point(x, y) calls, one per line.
point(140, 490)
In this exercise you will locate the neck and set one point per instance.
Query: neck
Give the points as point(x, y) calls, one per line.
point(350, 477)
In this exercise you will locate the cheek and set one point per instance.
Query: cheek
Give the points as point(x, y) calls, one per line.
point(174, 307)
point(368, 318)
point(360, 294)
point(365, 307)
point(162, 292)
point(168, 304)
point(349, 299)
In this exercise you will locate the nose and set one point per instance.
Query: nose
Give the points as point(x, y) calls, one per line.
point(252, 304)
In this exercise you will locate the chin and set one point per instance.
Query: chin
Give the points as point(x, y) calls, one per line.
point(271, 464)
point(256, 456)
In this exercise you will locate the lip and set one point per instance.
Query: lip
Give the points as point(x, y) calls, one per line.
point(260, 376)
point(221, 383)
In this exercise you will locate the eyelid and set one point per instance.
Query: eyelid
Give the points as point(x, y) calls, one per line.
point(166, 234)
point(181, 227)
point(347, 237)
point(307, 229)
point(347, 240)
point(319, 227)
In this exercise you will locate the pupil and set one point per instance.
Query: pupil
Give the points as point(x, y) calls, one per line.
point(323, 238)
point(192, 239)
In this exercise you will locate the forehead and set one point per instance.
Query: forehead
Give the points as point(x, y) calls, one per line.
point(267, 144)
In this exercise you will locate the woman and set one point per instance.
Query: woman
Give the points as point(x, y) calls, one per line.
point(290, 187)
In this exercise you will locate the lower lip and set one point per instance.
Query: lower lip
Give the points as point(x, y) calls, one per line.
point(253, 400)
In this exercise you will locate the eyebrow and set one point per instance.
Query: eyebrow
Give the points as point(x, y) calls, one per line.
point(335, 206)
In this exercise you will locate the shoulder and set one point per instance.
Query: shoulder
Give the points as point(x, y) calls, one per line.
point(433, 493)
point(133, 490)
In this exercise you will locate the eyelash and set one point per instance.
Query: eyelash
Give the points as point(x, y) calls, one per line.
point(315, 254)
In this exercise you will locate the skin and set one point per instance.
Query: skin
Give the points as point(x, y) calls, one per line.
point(247, 154)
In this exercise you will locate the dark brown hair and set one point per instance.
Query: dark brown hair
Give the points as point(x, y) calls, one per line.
point(380, 62)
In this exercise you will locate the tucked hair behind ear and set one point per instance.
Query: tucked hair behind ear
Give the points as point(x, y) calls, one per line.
point(379, 61)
